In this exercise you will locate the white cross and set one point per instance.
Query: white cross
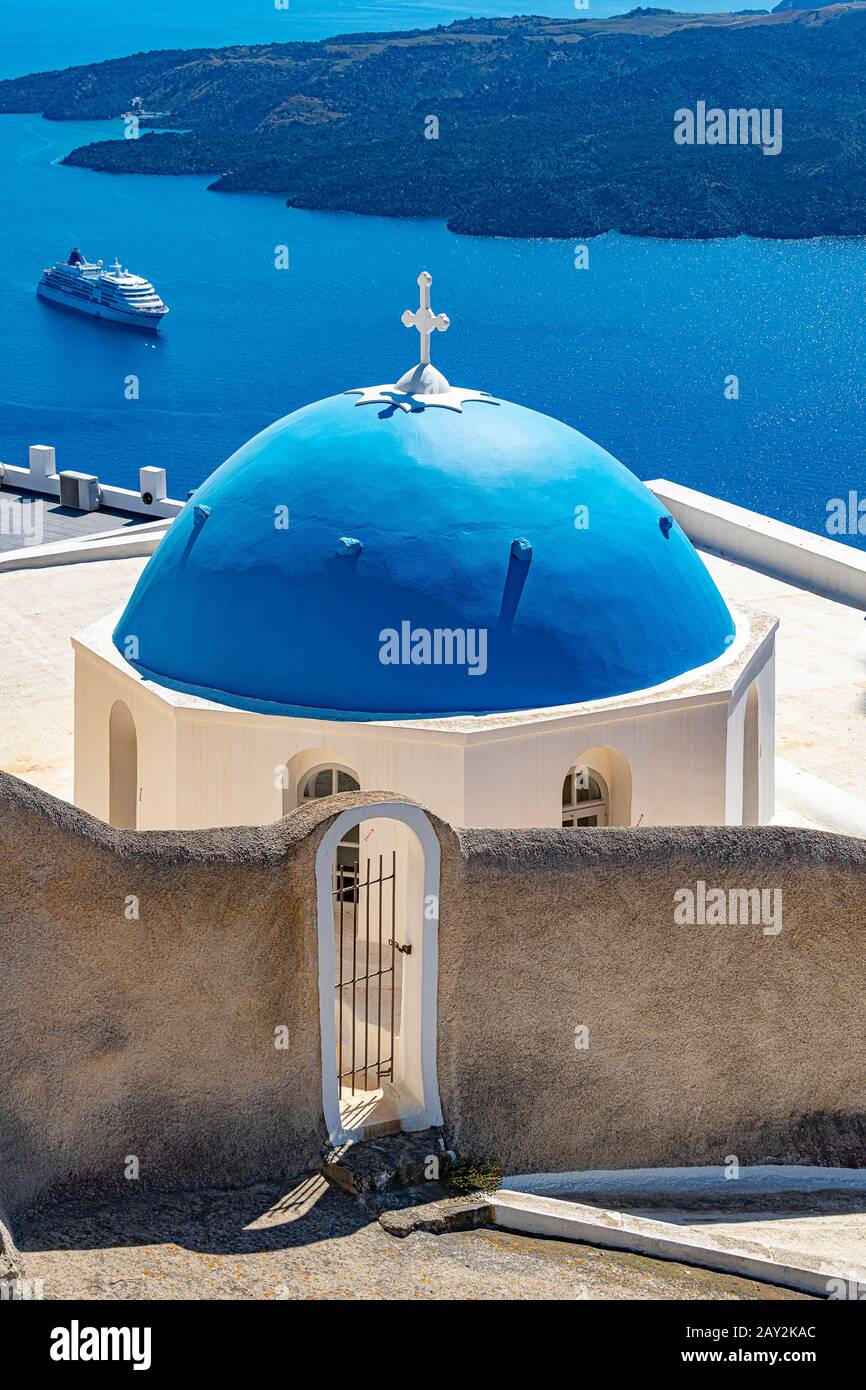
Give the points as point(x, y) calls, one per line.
point(424, 319)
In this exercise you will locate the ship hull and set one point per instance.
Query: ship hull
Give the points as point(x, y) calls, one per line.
point(148, 322)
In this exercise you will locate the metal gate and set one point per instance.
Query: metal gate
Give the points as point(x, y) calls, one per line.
point(365, 952)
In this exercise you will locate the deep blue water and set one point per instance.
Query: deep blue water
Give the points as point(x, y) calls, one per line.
point(633, 351)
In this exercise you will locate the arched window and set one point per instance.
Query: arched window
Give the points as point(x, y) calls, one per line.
point(584, 798)
point(328, 781)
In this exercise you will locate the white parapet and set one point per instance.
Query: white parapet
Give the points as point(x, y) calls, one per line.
point(814, 562)
point(41, 477)
point(43, 463)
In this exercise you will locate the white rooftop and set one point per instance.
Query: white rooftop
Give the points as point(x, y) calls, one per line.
point(821, 681)
point(820, 698)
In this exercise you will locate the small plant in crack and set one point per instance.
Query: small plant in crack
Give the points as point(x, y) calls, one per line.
point(471, 1173)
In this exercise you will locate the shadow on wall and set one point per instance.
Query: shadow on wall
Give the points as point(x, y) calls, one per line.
point(583, 1020)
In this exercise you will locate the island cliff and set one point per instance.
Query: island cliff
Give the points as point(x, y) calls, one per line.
point(524, 127)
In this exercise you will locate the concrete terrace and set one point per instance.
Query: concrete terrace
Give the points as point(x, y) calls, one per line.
point(315, 1242)
point(42, 608)
point(29, 520)
point(820, 698)
point(821, 679)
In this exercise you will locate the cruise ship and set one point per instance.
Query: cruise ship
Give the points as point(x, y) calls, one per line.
point(105, 294)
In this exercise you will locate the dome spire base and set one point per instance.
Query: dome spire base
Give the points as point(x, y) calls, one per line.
point(451, 398)
point(423, 380)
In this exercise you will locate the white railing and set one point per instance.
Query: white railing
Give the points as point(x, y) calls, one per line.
point(814, 562)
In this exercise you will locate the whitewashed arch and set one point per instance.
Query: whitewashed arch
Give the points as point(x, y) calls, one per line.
point(304, 764)
point(613, 770)
point(752, 758)
point(430, 1111)
point(122, 767)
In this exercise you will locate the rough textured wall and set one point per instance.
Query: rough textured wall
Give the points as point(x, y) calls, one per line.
point(154, 1036)
point(704, 1041)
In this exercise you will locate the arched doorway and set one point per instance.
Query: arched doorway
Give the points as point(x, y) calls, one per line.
point(597, 789)
point(122, 767)
point(751, 759)
point(378, 971)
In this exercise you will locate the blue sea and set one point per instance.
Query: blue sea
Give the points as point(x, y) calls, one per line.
point(635, 350)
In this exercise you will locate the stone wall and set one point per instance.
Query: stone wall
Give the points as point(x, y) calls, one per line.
point(153, 1036)
point(704, 1041)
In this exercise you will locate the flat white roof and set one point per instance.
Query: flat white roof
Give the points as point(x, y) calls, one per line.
point(41, 609)
point(820, 690)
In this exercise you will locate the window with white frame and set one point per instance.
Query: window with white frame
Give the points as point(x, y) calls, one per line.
point(327, 781)
point(584, 799)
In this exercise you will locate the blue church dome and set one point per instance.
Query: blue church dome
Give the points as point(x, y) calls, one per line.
point(388, 557)
point(340, 523)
